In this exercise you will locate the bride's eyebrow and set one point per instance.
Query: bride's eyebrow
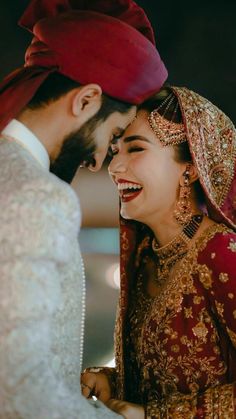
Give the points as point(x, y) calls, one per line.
point(135, 138)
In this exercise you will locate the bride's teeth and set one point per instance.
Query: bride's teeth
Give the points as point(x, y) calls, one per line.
point(122, 186)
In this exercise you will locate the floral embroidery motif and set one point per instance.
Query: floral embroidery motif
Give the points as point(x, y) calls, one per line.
point(232, 245)
point(200, 330)
point(175, 348)
point(205, 276)
point(220, 308)
point(197, 299)
point(223, 277)
point(188, 312)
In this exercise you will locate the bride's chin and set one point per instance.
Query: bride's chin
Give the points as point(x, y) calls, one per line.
point(125, 215)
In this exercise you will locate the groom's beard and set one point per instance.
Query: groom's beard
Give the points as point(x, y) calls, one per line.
point(77, 147)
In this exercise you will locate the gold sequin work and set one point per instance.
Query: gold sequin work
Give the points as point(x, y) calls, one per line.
point(172, 343)
point(213, 143)
point(232, 245)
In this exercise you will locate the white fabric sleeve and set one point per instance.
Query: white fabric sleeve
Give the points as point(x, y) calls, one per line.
point(40, 309)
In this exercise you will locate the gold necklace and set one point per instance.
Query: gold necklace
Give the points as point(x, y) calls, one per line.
point(168, 255)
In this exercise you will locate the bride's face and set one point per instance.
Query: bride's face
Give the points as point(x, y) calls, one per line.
point(145, 172)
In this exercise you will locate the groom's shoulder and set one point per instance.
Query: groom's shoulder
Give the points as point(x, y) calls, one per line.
point(22, 176)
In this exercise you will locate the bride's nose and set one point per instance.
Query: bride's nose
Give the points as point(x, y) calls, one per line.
point(117, 165)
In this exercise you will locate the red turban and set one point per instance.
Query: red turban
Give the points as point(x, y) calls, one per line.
point(110, 43)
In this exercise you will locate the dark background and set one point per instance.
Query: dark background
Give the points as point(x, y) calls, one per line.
point(196, 39)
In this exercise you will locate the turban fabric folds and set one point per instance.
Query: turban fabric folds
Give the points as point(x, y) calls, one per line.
point(110, 43)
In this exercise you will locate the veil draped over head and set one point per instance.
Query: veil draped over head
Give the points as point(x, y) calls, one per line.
point(211, 137)
point(108, 43)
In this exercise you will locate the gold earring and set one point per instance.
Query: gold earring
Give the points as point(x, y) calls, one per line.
point(183, 211)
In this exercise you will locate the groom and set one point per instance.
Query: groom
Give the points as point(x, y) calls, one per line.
point(85, 71)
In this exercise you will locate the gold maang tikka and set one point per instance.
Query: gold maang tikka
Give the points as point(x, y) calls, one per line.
point(167, 131)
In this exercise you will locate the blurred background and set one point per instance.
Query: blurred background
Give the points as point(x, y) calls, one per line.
point(197, 42)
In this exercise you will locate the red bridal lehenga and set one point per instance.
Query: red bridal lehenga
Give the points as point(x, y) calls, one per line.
point(176, 352)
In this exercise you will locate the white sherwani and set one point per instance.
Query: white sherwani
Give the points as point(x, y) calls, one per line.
point(41, 292)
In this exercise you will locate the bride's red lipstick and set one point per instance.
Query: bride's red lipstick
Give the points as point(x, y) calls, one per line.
point(126, 191)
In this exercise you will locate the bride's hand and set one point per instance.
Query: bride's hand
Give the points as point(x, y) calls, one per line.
point(95, 384)
point(127, 410)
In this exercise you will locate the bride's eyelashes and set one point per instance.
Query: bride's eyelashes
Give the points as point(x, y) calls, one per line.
point(134, 149)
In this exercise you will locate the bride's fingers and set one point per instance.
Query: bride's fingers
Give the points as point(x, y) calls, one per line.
point(87, 391)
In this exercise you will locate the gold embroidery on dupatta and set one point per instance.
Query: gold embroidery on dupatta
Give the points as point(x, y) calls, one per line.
point(119, 354)
point(220, 308)
point(182, 282)
point(200, 331)
point(197, 299)
point(178, 407)
point(219, 402)
point(125, 245)
point(163, 309)
point(218, 406)
point(205, 276)
point(223, 277)
point(212, 142)
point(188, 312)
point(118, 333)
point(232, 245)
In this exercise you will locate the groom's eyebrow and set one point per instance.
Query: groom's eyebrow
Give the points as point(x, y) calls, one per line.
point(119, 132)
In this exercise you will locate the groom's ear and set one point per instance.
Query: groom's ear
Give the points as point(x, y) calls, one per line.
point(86, 101)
